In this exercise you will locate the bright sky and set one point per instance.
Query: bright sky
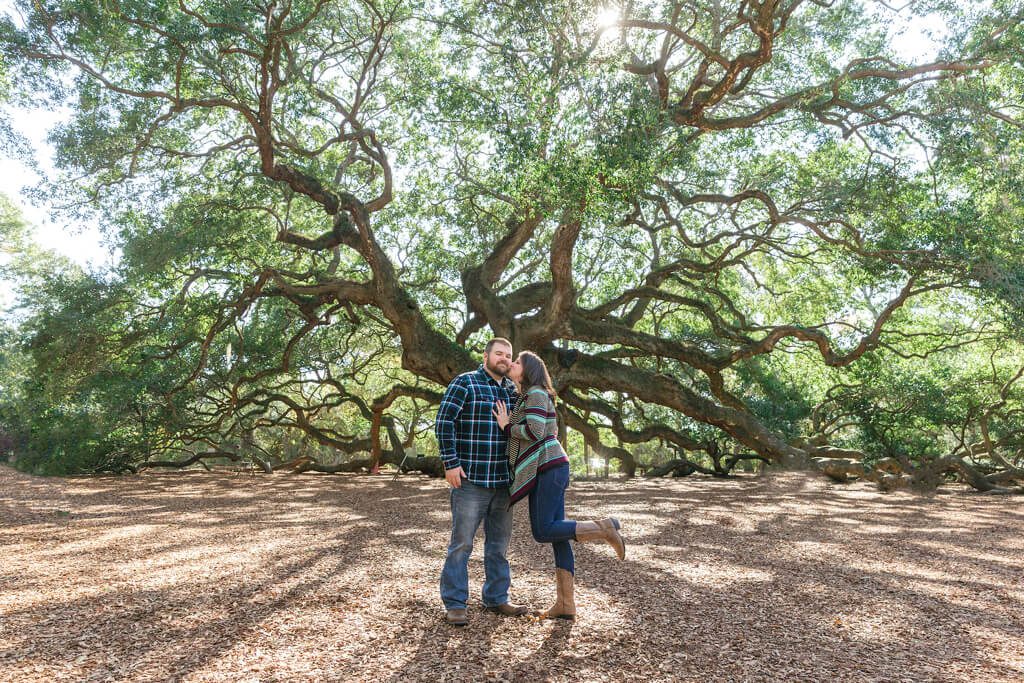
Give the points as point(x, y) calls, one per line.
point(82, 243)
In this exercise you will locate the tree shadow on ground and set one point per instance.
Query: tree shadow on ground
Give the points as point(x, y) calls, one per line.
point(206, 577)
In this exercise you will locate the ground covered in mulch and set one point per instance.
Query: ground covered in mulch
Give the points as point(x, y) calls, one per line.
point(198, 576)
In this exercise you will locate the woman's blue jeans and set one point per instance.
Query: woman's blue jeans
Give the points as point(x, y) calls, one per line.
point(547, 515)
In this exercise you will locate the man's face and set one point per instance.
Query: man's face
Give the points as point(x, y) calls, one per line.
point(498, 359)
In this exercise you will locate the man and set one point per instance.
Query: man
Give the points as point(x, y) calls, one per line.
point(472, 449)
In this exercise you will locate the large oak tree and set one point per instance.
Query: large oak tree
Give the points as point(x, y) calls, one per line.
point(717, 221)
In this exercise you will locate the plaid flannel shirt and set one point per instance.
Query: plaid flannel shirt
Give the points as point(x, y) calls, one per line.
point(467, 433)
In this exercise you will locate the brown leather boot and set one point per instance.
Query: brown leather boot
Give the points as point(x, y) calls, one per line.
point(565, 600)
point(606, 530)
point(509, 610)
point(457, 616)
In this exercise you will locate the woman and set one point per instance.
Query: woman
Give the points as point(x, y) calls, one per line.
point(541, 471)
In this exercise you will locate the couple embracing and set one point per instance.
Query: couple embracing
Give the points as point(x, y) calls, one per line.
point(498, 436)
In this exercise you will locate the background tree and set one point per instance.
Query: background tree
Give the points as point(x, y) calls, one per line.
point(707, 218)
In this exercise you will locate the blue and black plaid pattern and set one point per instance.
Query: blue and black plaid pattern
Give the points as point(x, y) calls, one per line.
point(467, 433)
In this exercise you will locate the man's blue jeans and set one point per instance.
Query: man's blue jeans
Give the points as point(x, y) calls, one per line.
point(472, 504)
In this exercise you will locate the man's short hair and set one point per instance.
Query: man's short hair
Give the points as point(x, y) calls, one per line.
point(497, 340)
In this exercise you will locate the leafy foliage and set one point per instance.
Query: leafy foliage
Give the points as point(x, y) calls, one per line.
point(761, 230)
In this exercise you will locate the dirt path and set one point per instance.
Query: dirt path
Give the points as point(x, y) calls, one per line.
point(232, 577)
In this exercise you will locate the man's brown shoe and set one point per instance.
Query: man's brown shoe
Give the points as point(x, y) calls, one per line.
point(456, 617)
point(509, 610)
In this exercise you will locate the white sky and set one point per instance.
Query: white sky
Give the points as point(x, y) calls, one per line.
point(82, 243)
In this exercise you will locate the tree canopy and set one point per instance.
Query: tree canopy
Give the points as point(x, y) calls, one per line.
point(746, 229)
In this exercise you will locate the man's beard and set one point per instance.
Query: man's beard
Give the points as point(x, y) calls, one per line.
point(500, 371)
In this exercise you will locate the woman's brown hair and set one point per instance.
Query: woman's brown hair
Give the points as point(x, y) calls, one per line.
point(535, 373)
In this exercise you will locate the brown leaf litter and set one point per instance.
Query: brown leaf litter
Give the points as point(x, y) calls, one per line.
point(224, 576)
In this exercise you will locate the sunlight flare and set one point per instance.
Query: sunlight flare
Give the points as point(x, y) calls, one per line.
point(607, 17)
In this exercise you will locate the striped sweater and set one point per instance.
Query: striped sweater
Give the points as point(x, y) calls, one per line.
point(532, 441)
